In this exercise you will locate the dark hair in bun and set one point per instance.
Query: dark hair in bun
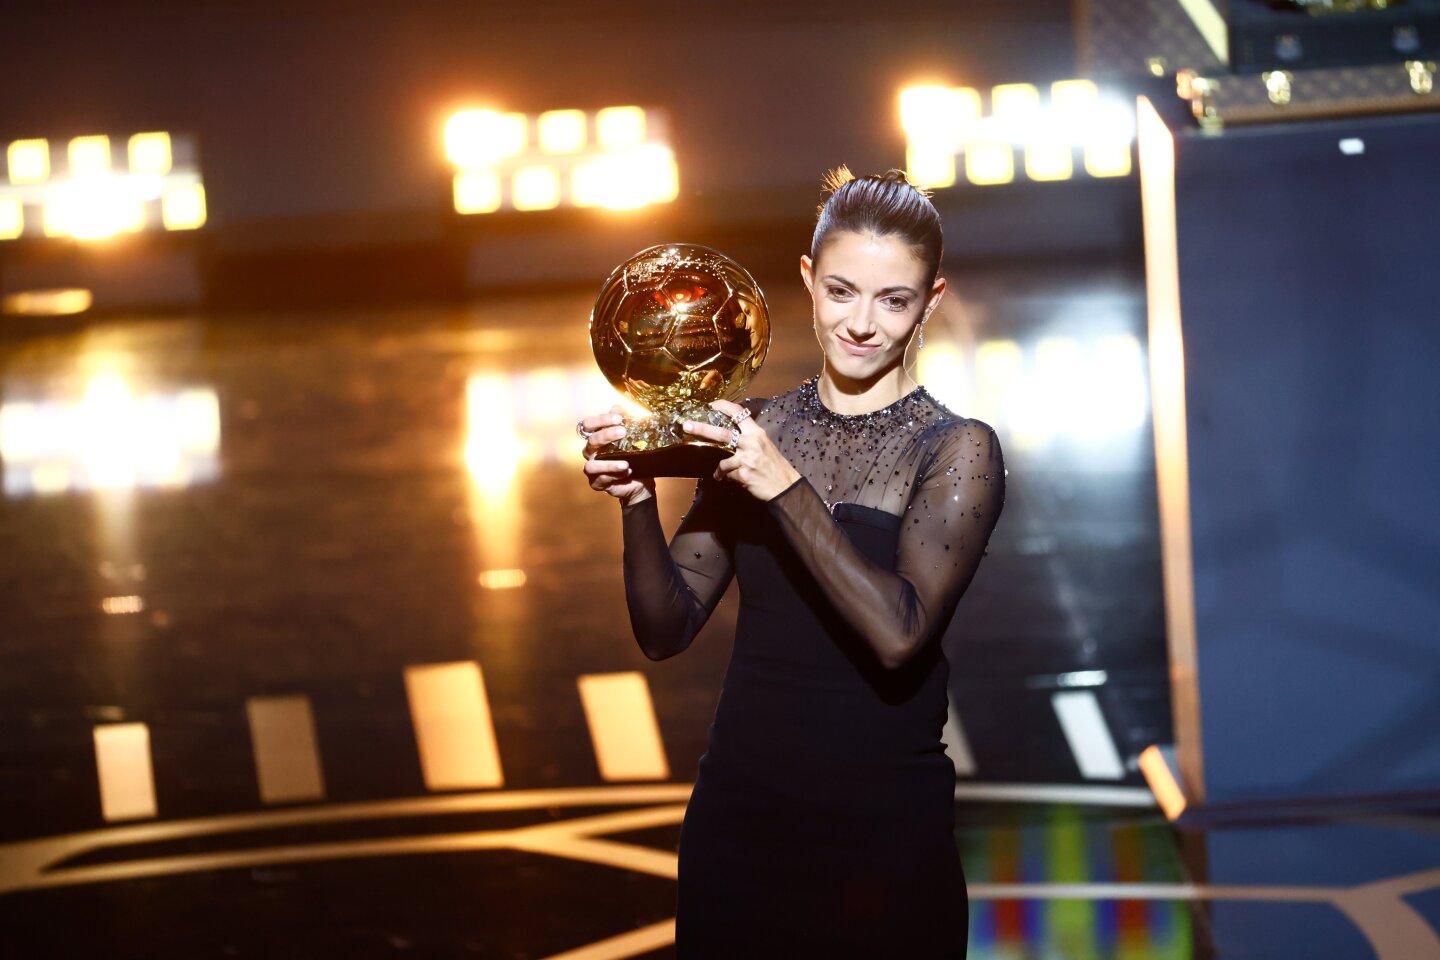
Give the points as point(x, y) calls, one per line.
point(886, 205)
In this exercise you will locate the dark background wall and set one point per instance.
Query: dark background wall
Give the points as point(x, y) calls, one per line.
point(318, 120)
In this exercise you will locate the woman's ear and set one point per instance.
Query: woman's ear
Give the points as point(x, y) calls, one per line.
point(807, 272)
point(937, 290)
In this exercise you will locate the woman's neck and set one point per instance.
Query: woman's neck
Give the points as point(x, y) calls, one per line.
point(845, 395)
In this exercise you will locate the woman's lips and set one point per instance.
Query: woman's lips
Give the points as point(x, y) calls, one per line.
point(858, 349)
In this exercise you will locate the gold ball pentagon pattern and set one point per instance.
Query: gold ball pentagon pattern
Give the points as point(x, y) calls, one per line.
point(679, 325)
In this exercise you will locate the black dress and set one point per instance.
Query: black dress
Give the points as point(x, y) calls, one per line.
point(822, 819)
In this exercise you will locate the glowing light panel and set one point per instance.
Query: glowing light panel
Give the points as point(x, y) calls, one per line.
point(475, 138)
point(616, 159)
point(562, 131)
point(150, 153)
point(28, 161)
point(89, 155)
point(942, 123)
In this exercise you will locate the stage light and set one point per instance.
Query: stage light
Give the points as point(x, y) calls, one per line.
point(536, 188)
point(562, 131)
point(1071, 104)
point(12, 218)
point(939, 117)
point(1107, 147)
point(89, 155)
point(28, 161)
point(48, 303)
point(622, 181)
point(941, 123)
point(477, 191)
point(477, 138)
point(92, 199)
point(1015, 112)
point(617, 128)
point(930, 167)
point(626, 164)
point(150, 153)
point(506, 579)
point(1049, 159)
point(989, 162)
point(1061, 379)
point(493, 450)
point(109, 438)
point(95, 207)
point(941, 367)
point(182, 206)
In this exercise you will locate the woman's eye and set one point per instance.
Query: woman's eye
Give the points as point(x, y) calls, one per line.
point(897, 303)
point(839, 293)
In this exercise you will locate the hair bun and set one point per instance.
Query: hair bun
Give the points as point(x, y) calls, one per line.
point(835, 179)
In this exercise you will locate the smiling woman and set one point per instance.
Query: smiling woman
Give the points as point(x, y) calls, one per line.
point(854, 514)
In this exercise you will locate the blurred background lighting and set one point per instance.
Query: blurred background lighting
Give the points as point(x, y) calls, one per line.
point(477, 191)
point(183, 206)
point(109, 438)
point(507, 579)
point(943, 123)
point(626, 165)
point(159, 186)
point(633, 178)
point(989, 162)
point(48, 303)
point(89, 155)
point(126, 604)
point(536, 188)
point(930, 167)
point(1015, 111)
point(150, 153)
point(619, 127)
point(562, 131)
point(12, 218)
point(28, 161)
point(1048, 159)
point(94, 207)
point(475, 138)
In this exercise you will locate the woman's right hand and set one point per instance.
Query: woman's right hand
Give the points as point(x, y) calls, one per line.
point(611, 476)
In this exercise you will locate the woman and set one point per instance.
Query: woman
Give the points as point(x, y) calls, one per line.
point(854, 513)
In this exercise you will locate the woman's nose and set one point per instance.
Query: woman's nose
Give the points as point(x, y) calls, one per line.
point(860, 323)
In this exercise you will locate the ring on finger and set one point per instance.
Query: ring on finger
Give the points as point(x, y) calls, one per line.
point(740, 417)
point(734, 438)
point(580, 429)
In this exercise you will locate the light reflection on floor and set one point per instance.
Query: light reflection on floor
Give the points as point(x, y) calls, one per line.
point(312, 617)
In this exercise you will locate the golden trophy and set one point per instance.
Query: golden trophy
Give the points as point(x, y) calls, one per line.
point(674, 327)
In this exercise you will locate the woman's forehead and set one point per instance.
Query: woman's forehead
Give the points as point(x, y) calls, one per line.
point(869, 253)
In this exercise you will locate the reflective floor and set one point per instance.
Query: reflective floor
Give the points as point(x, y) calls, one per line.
point(312, 643)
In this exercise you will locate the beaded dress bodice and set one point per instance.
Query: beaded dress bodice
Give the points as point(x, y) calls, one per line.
point(869, 459)
point(936, 478)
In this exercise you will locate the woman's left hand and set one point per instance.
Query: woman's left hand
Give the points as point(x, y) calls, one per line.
point(757, 465)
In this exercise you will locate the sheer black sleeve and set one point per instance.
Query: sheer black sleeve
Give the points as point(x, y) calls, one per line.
point(672, 590)
point(954, 503)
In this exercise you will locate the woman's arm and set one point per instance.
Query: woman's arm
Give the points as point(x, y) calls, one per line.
point(957, 498)
point(672, 590)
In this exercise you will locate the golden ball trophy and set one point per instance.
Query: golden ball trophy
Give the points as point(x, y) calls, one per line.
point(673, 328)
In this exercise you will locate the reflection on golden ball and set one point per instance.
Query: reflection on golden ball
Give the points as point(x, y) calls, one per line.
point(679, 325)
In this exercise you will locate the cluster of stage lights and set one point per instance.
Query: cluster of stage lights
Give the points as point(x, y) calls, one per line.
point(81, 190)
point(945, 124)
point(616, 158)
point(1087, 389)
point(110, 437)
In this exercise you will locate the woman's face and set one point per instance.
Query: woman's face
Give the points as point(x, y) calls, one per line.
point(869, 293)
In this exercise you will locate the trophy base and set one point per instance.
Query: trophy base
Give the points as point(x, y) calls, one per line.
point(696, 459)
point(656, 446)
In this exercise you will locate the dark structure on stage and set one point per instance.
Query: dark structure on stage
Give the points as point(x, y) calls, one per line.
point(1289, 208)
